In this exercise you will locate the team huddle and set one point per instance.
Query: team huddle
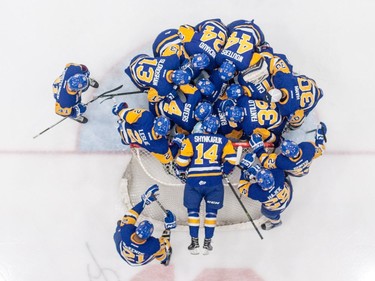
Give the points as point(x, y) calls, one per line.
point(207, 86)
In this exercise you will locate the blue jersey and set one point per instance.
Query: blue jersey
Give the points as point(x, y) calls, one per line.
point(153, 74)
point(298, 166)
point(207, 37)
point(66, 99)
point(274, 200)
point(261, 117)
point(135, 253)
point(137, 128)
point(180, 110)
point(241, 44)
point(299, 93)
point(232, 131)
point(168, 43)
point(202, 156)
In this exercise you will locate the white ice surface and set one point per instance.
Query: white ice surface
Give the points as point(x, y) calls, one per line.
point(59, 197)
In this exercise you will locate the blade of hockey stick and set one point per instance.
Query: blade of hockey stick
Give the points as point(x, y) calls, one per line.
point(94, 99)
point(121, 94)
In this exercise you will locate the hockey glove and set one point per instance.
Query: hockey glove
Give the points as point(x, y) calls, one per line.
point(180, 77)
point(149, 196)
point(252, 172)
point(256, 142)
point(177, 139)
point(200, 61)
point(78, 110)
point(320, 137)
point(247, 161)
point(170, 220)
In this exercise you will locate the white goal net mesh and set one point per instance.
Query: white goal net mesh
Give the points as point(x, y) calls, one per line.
point(145, 170)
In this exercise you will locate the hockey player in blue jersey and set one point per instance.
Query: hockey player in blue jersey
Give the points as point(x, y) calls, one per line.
point(160, 76)
point(257, 117)
point(169, 43)
point(68, 88)
point(299, 96)
point(203, 159)
point(241, 47)
point(139, 126)
point(295, 159)
point(207, 37)
point(182, 109)
point(134, 243)
point(270, 187)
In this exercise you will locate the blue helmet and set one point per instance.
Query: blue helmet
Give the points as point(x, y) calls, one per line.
point(265, 179)
point(144, 229)
point(206, 87)
point(202, 110)
point(211, 124)
point(162, 125)
point(78, 82)
point(234, 91)
point(289, 148)
point(227, 70)
point(118, 107)
point(234, 114)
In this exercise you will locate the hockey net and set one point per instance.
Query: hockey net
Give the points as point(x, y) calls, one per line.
point(145, 170)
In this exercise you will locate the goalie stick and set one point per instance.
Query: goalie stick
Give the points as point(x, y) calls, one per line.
point(242, 205)
point(94, 99)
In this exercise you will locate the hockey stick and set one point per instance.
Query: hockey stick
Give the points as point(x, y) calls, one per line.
point(166, 234)
point(242, 205)
point(94, 99)
point(108, 97)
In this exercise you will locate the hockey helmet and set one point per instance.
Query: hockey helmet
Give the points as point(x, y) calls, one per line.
point(202, 110)
point(78, 82)
point(144, 229)
point(211, 124)
point(234, 91)
point(234, 114)
point(162, 125)
point(265, 179)
point(206, 87)
point(289, 148)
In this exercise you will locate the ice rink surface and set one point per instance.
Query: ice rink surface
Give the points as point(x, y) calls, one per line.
point(59, 195)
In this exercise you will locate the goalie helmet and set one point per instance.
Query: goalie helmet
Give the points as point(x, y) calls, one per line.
point(118, 107)
point(206, 87)
point(265, 179)
point(211, 124)
point(234, 91)
point(144, 229)
point(161, 125)
point(289, 148)
point(78, 82)
point(234, 114)
point(202, 110)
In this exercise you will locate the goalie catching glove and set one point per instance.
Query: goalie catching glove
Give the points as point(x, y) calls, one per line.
point(150, 195)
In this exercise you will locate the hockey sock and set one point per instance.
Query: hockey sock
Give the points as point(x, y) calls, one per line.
point(210, 223)
point(193, 222)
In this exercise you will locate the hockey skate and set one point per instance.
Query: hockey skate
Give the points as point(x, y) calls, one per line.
point(207, 247)
point(168, 257)
point(81, 119)
point(93, 83)
point(194, 246)
point(269, 225)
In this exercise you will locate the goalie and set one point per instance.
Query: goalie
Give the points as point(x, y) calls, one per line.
point(135, 244)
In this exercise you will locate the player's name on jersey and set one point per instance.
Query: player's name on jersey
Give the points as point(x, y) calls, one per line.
point(210, 139)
